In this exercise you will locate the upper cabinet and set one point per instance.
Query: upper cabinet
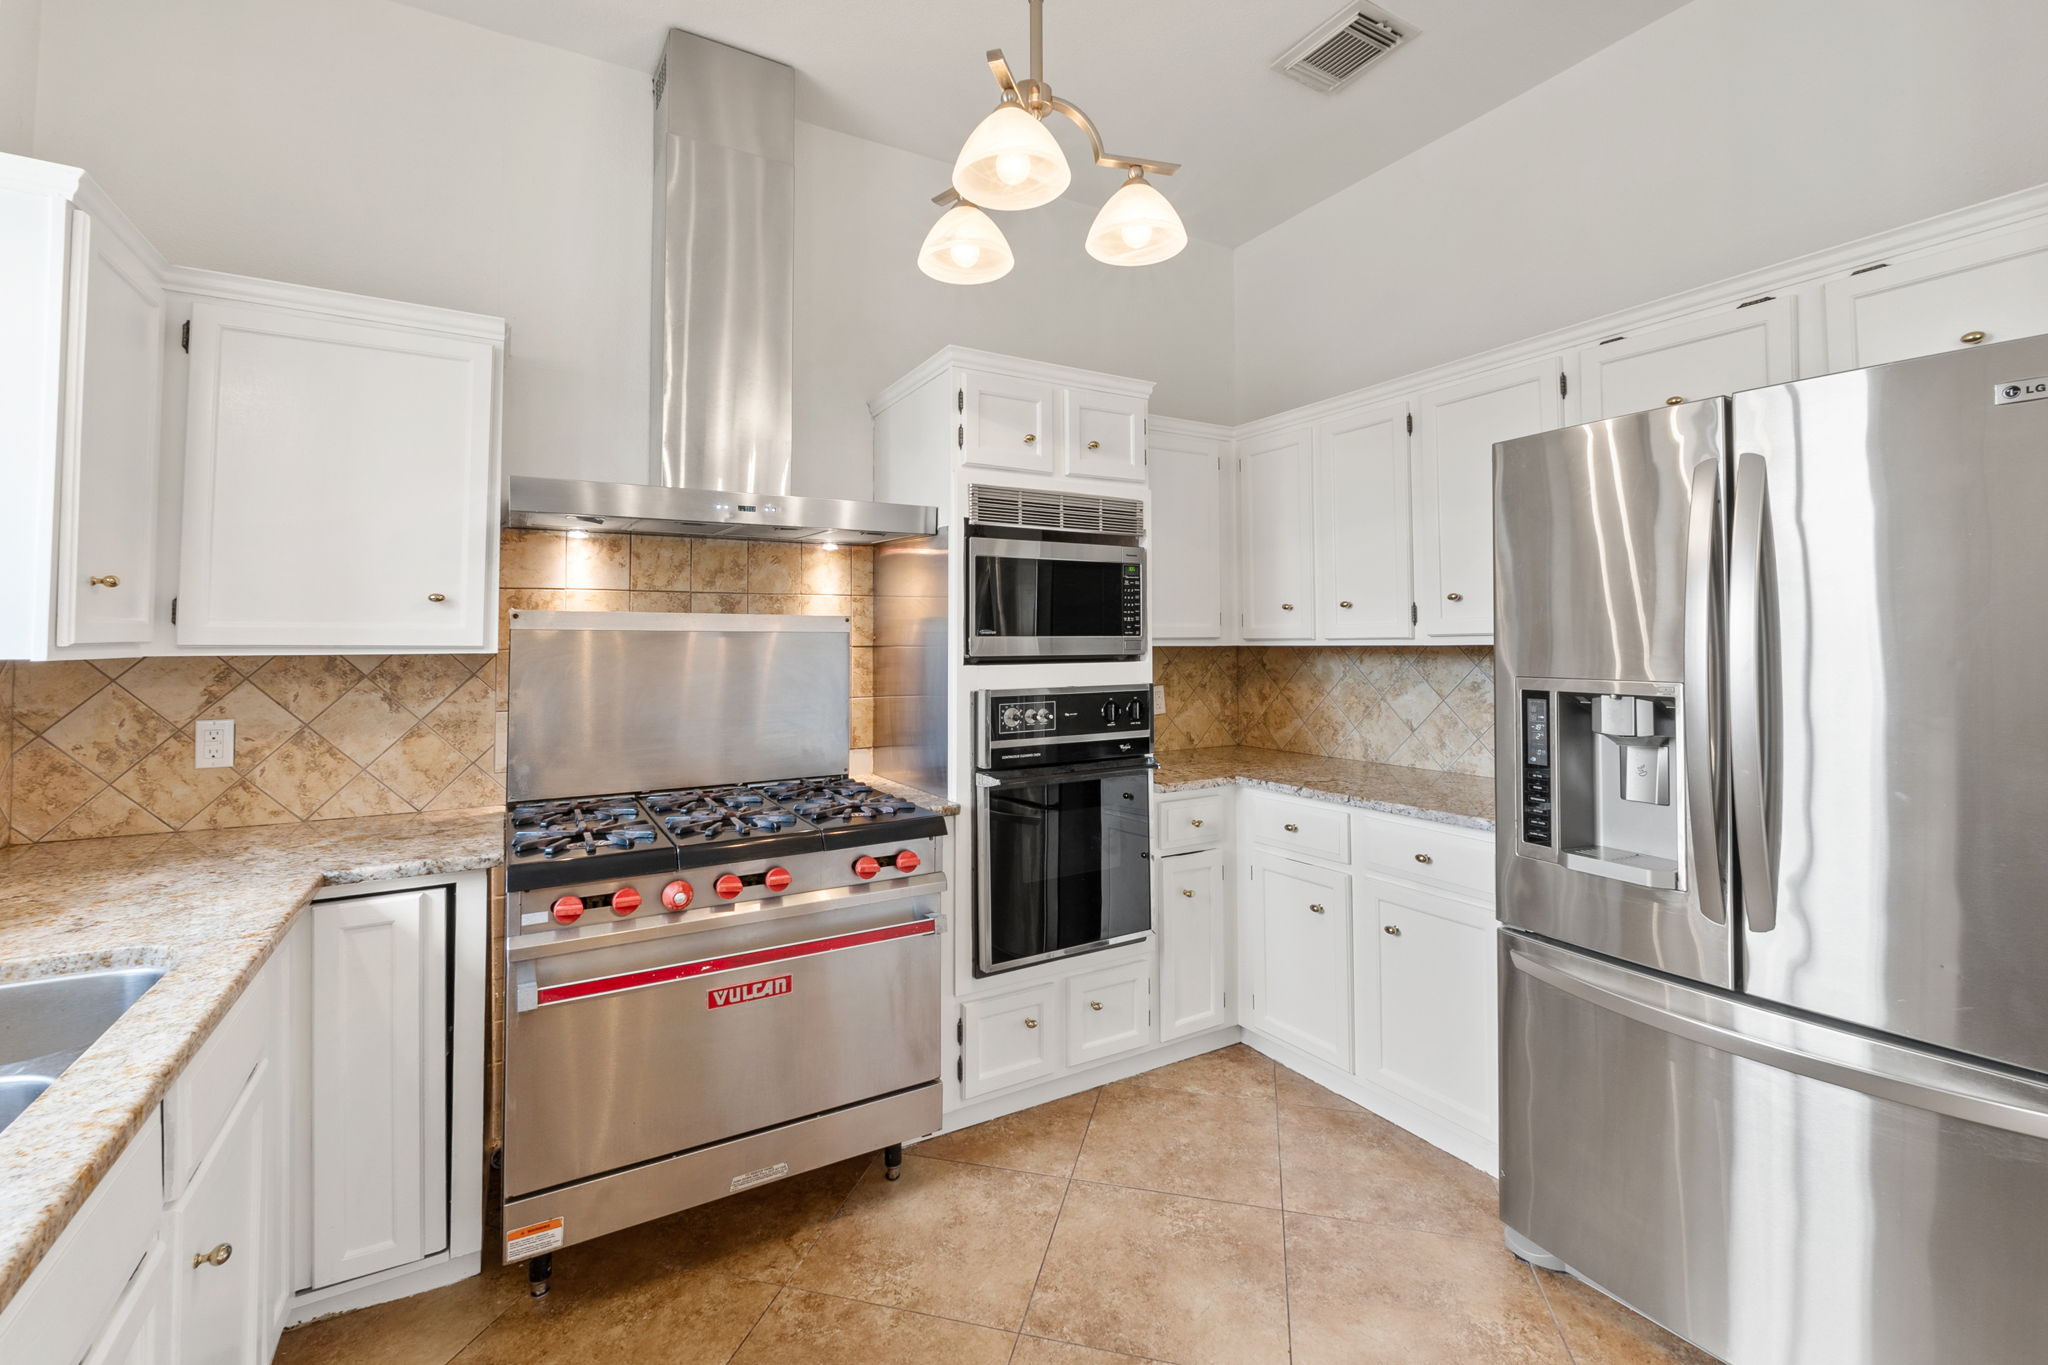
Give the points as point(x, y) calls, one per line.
point(1035, 419)
point(1362, 525)
point(1456, 427)
point(1992, 287)
point(1104, 435)
point(1277, 498)
point(1740, 346)
point(1188, 536)
point(340, 481)
point(333, 486)
point(1008, 423)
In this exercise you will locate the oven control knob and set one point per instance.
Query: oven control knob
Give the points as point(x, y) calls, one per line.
point(568, 909)
point(676, 895)
point(1109, 713)
point(1134, 710)
point(907, 861)
point(777, 880)
point(728, 886)
point(625, 901)
point(865, 867)
point(1013, 716)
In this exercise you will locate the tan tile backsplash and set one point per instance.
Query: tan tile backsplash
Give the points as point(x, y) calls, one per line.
point(102, 748)
point(1417, 707)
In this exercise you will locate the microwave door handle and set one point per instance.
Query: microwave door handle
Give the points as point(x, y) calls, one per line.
point(1749, 652)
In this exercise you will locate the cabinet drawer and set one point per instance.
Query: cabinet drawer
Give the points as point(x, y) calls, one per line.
point(1009, 1039)
point(1108, 1012)
point(1182, 824)
point(1435, 855)
point(197, 1106)
point(1301, 828)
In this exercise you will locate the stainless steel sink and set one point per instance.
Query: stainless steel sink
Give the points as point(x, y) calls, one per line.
point(47, 1022)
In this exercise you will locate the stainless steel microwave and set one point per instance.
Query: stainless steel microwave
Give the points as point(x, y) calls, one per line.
point(1046, 595)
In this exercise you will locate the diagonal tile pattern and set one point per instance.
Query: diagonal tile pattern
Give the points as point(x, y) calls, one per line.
point(1414, 706)
point(1028, 1240)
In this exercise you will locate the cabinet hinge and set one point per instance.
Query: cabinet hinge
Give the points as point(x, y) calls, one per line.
point(185, 336)
point(1411, 424)
point(960, 1070)
point(959, 400)
point(1751, 303)
point(174, 611)
point(960, 437)
point(1564, 385)
point(1866, 269)
point(960, 1031)
point(1414, 614)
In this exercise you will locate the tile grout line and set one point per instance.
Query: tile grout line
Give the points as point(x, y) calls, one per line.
point(1551, 1308)
point(1286, 1265)
point(755, 1325)
point(1017, 1340)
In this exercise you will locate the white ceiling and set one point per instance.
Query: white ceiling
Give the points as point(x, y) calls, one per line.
point(1174, 80)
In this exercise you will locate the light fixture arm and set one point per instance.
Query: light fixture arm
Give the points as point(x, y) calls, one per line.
point(1035, 94)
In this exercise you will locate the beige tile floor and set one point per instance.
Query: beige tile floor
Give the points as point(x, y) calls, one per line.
point(1217, 1211)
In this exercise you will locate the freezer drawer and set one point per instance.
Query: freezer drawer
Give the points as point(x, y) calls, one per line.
point(1777, 1191)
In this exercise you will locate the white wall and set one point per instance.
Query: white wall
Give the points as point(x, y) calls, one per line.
point(368, 146)
point(19, 23)
point(1727, 136)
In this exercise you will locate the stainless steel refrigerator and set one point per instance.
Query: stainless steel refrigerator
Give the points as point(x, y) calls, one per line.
point(1772, 687)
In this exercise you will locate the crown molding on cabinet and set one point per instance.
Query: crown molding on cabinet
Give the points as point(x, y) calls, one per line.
point(966, 358)
point(334, 303)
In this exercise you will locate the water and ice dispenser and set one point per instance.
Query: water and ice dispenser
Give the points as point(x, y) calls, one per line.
point(1598, 793)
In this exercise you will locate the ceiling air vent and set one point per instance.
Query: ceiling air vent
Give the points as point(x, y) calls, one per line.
point(1038, 510)
point(1331, 57)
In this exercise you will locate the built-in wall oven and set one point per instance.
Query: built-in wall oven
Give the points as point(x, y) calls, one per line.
point(1054, 576)
point(1063, 823)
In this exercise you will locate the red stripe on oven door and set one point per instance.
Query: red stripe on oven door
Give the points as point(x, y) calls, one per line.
point(683, 971)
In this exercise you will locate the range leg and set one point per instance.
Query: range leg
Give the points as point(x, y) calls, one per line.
point(892, 1161)
point(539, 1271)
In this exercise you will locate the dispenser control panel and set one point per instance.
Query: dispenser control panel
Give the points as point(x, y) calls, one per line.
point(1536, 768)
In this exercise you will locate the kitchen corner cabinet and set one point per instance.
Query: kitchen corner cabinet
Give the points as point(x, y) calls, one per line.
point(1188, 536)
point(223, 1232)
point(1456, 427)
point(1426, 1025)
point(1277, 497)
point(1298, 941)
point(1988, 288)
point(1364, 587)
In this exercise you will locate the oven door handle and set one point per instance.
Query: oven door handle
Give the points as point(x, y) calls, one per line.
point(1030, 777)
point(529, 994)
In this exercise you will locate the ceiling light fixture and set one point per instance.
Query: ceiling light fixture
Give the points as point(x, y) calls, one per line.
point(1011, 162)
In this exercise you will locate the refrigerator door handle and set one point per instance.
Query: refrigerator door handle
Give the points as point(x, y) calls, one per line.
point(1868, 1066)
point(1702, 764)
point(1747, 658)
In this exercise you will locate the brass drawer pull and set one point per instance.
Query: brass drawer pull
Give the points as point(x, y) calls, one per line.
point(1393, 930)
point(1187, 891)
point(1315, 909)
point(218, 1256)
point(1094, 1004)
point(1424, 858)
point(1454, 596)
point(1972, 338)
point(111, 580)
point(1030, 437)
point(1095, 445)
point(1287, 606)
point(437, 597)
point(1196, 823)
point(1345, 605)
point(1673, 401)
point(1292, 829)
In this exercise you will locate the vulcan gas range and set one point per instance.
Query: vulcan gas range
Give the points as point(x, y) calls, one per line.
point(708, 987)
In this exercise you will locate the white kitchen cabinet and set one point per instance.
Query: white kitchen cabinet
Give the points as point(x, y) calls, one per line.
point(138, 1331)
point(1008, 422)
point(1103, 435)
point(1741, 346)
point(1109, 1012)
point(1362, 525)
point(341, 484)
point(1192, 908)
point(1427, 1012)
point(1298, 932)
point(1188, 548)
point(1456, 427)
point(221, 1236)
point(379, 1082)
point(1184, 823)
point(1988, 288)
point(1010, 1039)
point(1277, 494)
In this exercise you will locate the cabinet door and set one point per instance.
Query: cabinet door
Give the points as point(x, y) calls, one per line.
point(1742, 346)
point(1109, 1012)
point(341, 485)
point(1278, 498)
point(1427, 1001)
point(220, 1237)
point(139, 1331)
point(1301, 947)
point(1007, 423)
point(1364, 564)
point(379, 1082)
point(1104, 434)
point(110, 452)
point(1455, 430)
point(1186, 549)
point(1194, 945)
point(1009, 1040)
point(1993, 288)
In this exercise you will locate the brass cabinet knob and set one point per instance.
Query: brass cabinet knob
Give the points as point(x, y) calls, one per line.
point(1673, 401)
point(1095, 445)
point(1292, 829)
point(1094, 1004)
point(218, 1256)
point(1424, 858)
point(110, 580)
point(1030, 1023)
point(1029, 437)
point(1454, 596)
point(1393, 930)
point(1972, 338)
point(1187, 891)
point(437, 597)
point(1287, 606)
point(1196, 823)
point(1315, 909)
point(1345, 605)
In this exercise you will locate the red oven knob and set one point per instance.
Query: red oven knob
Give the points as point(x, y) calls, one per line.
point(728, 886)
point(907, 861)
point(625, 901)
point(568, 909)
point(676, 895)
point(777, 879)
point(865, 867)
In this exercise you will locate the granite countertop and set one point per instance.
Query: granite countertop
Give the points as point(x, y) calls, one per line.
point(938, 805)
point(207, 907)
point(1445, 798)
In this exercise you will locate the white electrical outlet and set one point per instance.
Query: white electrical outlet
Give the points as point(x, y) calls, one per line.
point(213, 744)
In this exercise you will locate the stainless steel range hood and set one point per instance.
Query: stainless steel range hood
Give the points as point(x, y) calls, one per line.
point(724, 304)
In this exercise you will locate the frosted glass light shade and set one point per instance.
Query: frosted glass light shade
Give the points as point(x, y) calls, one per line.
point(965, 247)
point(1136, 227)
point(1010, 161)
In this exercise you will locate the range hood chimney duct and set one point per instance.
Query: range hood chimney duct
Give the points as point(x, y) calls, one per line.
point(723, 380)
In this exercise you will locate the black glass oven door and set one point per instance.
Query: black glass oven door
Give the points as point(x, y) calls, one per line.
point(1033, 599)
point(1063, 865)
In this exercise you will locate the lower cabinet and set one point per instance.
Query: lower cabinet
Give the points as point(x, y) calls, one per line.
point(1010, 1039)
point(1427, 1005)
point(1109, 1012)
point(1298, 942)
point(1192, 912)
point(221, 1235)
point(139, 1330)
